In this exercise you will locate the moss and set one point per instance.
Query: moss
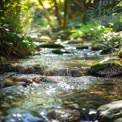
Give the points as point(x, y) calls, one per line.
point(120, 53)
point(102, 67)
point(2, 59)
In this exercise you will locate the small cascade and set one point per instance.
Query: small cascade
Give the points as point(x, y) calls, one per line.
point(74, 72)
point(51, 87)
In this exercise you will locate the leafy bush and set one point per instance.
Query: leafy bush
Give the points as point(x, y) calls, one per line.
point(13, 43)
point(98, 35)
point(107, 13)
point(89, 32)
point(111, 40)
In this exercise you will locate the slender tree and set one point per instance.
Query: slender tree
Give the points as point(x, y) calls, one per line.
point(46, 14)
point(66, 13)
point(57, 12)
point(82, 4)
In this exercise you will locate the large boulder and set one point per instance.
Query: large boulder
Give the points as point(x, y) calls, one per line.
point(107, 69)
point(18, 68)
point(111, 112)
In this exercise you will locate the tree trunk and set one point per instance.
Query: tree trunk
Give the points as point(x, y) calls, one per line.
point(46, 14)
point(66, 12)
point(57, 13)
point(82, 3)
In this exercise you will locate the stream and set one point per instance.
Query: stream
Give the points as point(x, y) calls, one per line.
point(60, 92)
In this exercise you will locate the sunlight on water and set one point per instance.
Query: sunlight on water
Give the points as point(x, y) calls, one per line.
point(48, 59)
point(38, 99)
point(60, 92)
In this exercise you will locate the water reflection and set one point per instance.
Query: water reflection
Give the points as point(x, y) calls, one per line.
point(71, 93)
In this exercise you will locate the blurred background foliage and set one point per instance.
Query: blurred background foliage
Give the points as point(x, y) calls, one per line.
point(13, 41)
point(91, 20)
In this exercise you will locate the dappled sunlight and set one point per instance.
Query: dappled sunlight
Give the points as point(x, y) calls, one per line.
point(60, 60)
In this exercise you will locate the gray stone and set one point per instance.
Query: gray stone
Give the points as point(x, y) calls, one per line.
point(111, 112)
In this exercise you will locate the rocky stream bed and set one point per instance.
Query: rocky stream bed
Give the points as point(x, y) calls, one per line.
point(51, 87)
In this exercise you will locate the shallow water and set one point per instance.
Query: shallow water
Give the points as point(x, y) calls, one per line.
point(66, 95)
point(46, 58)
point(70, 93)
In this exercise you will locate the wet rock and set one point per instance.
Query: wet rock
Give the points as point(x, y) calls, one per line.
point(21, 79)
point(2, 84)
point(107, 69)
point(64, 115)
point(28, 69)
point(96, 47)
point(111, 112)
point(88, 115)
point(13, 81)
point(51, 45)
point(120, 53)
point(75, 72)
point(6, 68)
point(60, 51)
point(106, 51)
point(20, 68)
point(82, 47)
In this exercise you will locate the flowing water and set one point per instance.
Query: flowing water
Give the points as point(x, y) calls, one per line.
point(64, 95)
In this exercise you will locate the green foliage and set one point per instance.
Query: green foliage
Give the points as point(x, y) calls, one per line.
point(110, 40)
point(98, 35)
point(89, 32)
point(10, 14)
point(107, 13)
point(13, 43)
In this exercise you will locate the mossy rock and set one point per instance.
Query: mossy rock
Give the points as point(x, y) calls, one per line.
point(6, 68)
point(96, 47)
point(107, 69)
point(120, 53)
